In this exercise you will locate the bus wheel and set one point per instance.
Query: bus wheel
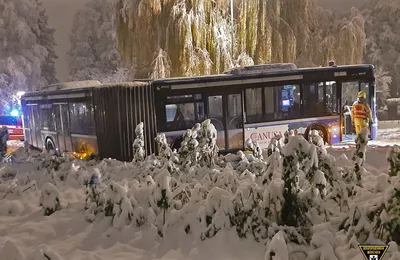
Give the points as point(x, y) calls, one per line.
point(50, 146)
point(321, 131)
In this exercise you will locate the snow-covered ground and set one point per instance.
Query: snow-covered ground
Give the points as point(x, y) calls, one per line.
point(73, 233)
point(388, 135)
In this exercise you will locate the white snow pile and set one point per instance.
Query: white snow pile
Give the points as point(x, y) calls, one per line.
point(49, 199)
point(11, 251)
point(294, 200)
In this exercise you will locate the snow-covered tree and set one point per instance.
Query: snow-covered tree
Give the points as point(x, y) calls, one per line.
point(46, 39)
point(93, 53)
point(382, 46)
point(26, 49)
point(311, 37)
point(383, 81)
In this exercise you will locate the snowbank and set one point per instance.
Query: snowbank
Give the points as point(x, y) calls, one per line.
point(194, 204)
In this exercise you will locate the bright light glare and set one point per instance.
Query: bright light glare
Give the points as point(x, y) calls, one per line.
point(14, 113)
point(20, 93)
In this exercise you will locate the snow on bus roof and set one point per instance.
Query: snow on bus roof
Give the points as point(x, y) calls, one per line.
point(247, 70)
point(87, 84)
point(125, 84)
point(263, 69)
point(338, 67)
point(72, 85)
point(258, 69)
point(187, 78)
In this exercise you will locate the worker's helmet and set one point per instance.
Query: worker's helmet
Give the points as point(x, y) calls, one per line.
point(362, 94)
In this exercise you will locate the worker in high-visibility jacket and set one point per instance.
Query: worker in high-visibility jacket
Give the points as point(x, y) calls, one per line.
point(361, 114)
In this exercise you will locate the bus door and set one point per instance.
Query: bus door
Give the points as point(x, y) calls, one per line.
point(36, 136)
point(226, 113)
point(63, 126)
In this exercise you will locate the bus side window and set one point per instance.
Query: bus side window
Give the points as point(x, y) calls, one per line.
point(183, 116)
point(254, 111)
point(47, 118)
point(289, 101)
point(319, 99)
point(331, 99)
point(82, 118)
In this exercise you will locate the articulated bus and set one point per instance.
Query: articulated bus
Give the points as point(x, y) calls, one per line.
point(256, 102)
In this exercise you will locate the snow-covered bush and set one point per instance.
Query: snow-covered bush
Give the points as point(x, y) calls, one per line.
point(393, 158)
point(49, 199)
point(339, 194)
point(116, 194)
point(275, 145)
point(277, 248)
point(208, 143)
point(323, 244)
point(248, 217)
point(163, 147)
point(274, 167)
point(138, 145)
point(189, 151)
point(293, 210)
point(8, 172)
point(52, 162)
point(273, 200)
point(385, 212)
point(326, 162)
point(95, 201)
point(254, 147)
point(358, 225)
point(162, 193)
point(287, 136)
point(216, 213)
point(280, 199)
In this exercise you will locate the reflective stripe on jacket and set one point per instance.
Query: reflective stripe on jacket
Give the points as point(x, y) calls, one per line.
point(361, 111)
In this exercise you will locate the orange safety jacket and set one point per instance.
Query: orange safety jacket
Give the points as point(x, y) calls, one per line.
point(361, 111)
